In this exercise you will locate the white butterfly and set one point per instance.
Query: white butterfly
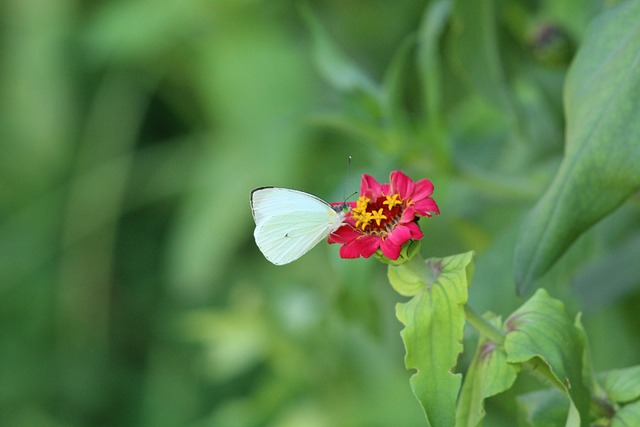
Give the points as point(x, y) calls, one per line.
point(290, 222)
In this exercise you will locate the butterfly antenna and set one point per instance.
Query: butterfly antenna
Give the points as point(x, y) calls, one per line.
point(346, 180)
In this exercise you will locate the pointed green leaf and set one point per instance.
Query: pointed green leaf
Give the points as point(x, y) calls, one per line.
point(628, 416)
point(621, 385)
point(434, 325)
point(587, 365)
point(488, 375)
point(601, 167)
point(541, 332)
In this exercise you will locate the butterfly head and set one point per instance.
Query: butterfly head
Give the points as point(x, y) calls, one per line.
point(342, 210)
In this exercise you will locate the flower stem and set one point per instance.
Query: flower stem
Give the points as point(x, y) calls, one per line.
point(483, 326)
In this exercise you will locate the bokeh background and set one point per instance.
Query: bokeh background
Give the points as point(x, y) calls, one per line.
point(131, 134)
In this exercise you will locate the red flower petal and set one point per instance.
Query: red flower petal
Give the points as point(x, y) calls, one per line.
point(426, 206)
point(401, 184)
point(400, 235)
point(369, 187)
point(367, 245)
point(423, 189)
point(408, 215)
point(416, 233)
point(349, 250)
point(390, 250)
point(343, 235)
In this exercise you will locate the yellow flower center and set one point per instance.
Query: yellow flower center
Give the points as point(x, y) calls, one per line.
point(378, 216)
point(392, 201)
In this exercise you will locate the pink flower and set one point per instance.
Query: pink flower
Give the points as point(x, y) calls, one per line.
point(385, 216)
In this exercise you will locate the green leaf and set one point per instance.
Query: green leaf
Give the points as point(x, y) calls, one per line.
point(540, 332)
point(543, 408)
point(601, 167)
point(621, 385)
point(363, 98)
point(488, 375)
point(434, 325)
point(628, 416)
point(476, 45)
point(587, 365)
point(410, 278)
point(394, 82)
point(430, 34)
point(335, 66)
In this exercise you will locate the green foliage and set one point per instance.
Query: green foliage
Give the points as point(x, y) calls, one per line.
point(131, 133)
point(477, 51)
point(600, 169)
point(538, 338)
point(543, 408)
point(434, 323)
point(621, 387)
point(540, 332)
point(489, 374)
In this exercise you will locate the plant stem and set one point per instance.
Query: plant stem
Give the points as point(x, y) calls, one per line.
point(483, 326)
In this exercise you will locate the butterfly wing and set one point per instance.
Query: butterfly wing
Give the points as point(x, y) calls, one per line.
point(289, 222)
point(285, 238)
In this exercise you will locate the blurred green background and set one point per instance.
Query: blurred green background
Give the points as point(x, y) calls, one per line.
point(131, 133)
